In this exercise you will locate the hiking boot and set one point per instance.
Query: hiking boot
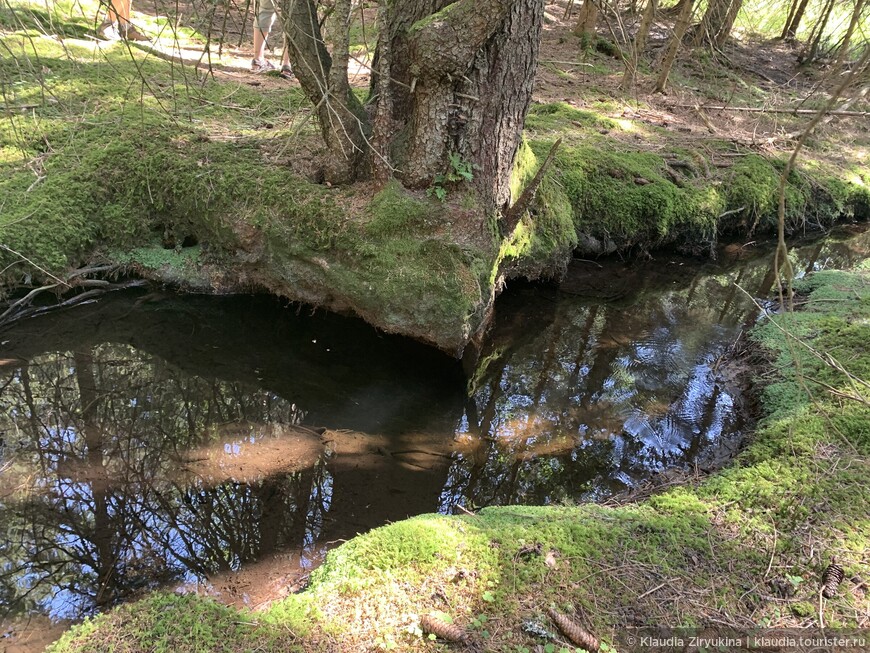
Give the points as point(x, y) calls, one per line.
point(261, 66)
point(130, 33)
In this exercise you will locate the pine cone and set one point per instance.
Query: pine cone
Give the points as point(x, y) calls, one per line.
point(442, 629)
point(578, 635)
point(831, 579)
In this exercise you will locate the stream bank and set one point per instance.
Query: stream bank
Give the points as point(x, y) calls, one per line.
point(740, 549)
point(210, 195)
point(223, 445)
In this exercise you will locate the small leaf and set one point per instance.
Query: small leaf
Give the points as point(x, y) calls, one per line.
point(488, 596)
point(549, 647)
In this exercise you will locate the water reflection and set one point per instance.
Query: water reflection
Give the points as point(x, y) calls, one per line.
point(182, 453)
point(152, 440)
point(581, 393)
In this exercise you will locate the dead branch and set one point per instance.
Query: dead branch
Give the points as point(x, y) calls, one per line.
point(722, 107)
point(514, 213)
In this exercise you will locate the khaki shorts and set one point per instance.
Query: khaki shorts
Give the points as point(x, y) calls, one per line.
point(266, 12)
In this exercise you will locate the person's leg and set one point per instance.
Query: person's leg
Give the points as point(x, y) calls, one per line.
point(264, 18)
point(121, 10)
point(286, 70)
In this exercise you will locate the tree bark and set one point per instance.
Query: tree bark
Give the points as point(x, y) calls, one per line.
point(793, 21)
point(462, 79)
point(717, 23)
point(588, 19)
point(449, 78)
point(680, 29)
point(847, 39)
point(344, 124)
point(815, 40)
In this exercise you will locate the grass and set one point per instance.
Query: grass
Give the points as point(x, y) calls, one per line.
point(713, 552)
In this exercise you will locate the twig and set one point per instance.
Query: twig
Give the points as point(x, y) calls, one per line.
point(723, 107)
point(654, 589)
point(514, 213)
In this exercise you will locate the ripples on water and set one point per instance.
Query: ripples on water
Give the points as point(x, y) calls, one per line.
point(159, 440)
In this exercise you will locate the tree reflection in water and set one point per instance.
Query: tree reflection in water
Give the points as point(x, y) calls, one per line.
point(104, 432)
point(585, 392)
point(149, 440)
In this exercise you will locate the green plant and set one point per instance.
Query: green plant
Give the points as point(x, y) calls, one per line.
point(459, 170)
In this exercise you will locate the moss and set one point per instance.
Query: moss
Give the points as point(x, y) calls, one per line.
point(624, 196)
point(169, 622)
point(544, 238)
point(753, 186)
point(558, 115)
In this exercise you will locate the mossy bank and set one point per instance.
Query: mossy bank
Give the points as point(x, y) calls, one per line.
point(740, 549)
point(111, 155)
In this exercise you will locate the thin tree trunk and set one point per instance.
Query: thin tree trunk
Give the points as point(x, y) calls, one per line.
point(677, 9)
point(847, 39)
point(680, 28)
point(717, 22)
point(816, 35)
point(794, 19)
point(730, 18)
point(639, 44)
point(587, 19)
point(384, 113)
point(343, 121)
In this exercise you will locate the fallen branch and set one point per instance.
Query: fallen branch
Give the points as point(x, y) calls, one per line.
point(723, 107)
point(514, 213)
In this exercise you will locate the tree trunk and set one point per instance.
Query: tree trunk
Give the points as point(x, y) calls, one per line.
point(639, 44)
point(344, 124)
point(588, 19)
point(680, 28)
point(847, 39)
point(717, 23)
point(677, 9)
point(815, 40)
point(793, 21)
point(462, 78)
point(449, 78)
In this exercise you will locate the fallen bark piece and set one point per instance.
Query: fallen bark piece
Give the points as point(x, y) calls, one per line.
point(573, 631)
point(440, 628)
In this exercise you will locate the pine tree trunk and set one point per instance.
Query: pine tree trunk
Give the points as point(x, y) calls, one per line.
point(680, 29)
point(847, 39)
point(587, 19)
point(450, 78)
point(462, 80)
point(343, 122)
point(676, 9)
point(639, 44)
point(812, 49)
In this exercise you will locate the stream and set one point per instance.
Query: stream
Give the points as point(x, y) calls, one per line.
point(223, 444)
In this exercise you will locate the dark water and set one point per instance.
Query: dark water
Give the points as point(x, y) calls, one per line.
point(156, 440)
